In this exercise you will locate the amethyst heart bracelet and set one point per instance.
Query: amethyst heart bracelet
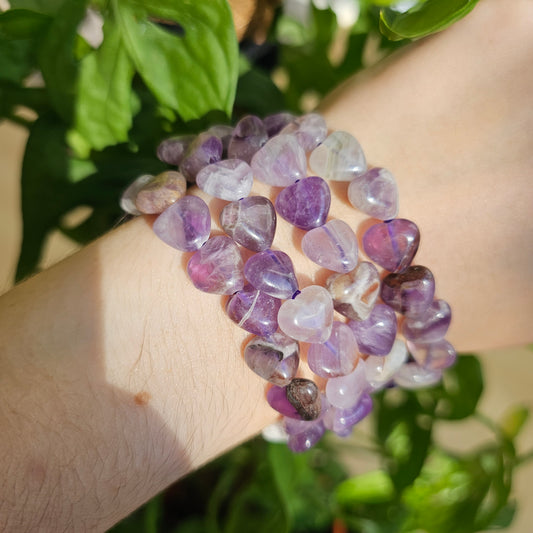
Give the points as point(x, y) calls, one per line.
point(355, 346)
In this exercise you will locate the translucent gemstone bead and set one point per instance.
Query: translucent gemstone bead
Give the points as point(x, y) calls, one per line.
point(204, 150)
point(275, 123)
point(254, 311)
point(230, 179)
point(355, 293)
point(277, 399)
point(335, 357)
point(433, 355)
point(172, 150)
point(309, 316)
point(272, 272)
point(380, 369)
point(224, 133)
point(249, 135)
point(345, 391)
point(275, 432)
point(340, 157)
point(375, 193)
point(342, 421)
point(304, 396)
point(280, 162)
point(251, 222)
point(161, 192)
point(393, 244)
point(310, 130)
point(410, 292)
point(184, 225)
point(306, 438)
point(375, 335)
point(275, 359)
point(430, 326)
point(332, 246)
point(305, 204)
point(217, 266)
point(414, 376)
point(127, 200)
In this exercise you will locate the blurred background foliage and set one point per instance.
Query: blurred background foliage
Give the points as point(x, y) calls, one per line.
point(99, 84)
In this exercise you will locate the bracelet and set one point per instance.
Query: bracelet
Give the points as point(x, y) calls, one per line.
point(355, 352)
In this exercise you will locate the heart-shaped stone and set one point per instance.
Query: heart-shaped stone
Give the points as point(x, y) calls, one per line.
point(251, 222)
point(272, 272)
point(275, 359)
point(217, 267)
point(308, 317)
point(434, 355)
point(332, 246)
point(230, 179)
point(355, 293)
point(280, 162)
point(431, 326)
point(414, 376)
point(379, 370)
point(305, 203)
point(342, 421)
point(345, 391)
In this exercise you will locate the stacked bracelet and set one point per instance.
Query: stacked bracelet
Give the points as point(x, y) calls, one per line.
point(353, 353)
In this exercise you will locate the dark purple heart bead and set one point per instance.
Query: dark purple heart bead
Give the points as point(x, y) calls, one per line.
point(376, 334)
point(305, 439)
point(342, 421)
point(392, 244)
point(184, 225)
point(272, 272)
point(251, 222)
point(217, 267)
point(204, 150)
point(431, 326)
point(277, 399)
point(305, 204)
point(248, 136)
point(275, 359)
point(410, 292)
point(172, 150)
point(254, 311)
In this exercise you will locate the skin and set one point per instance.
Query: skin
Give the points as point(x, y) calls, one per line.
point(118, 377)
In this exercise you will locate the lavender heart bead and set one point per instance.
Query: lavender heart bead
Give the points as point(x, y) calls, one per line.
point(275, 359)
point(204, 150)
point(308, 317)
point(172, 150)
point(332, 246)
point(414, 376)
point(305, 440)
point(380, 369)
point(355, 293)
point(342, 421)
point(306, 203)
point(224, 133)
point(431, 326)
point(280, 162)
point(310, 130)
point(184, 225)
point(251, 222)
point(277, 399)
point(375, 193)
point(254, 311)
point(436, 355)
point(249, 135)
point(375, 335)
point(160, 192)
point(276, 122)
point(230, 179)
point(410, 292)
point(335, 357)
point(392, 244)
point(272, 272)
point(217, 267)
point(345, 391)
point(340, 157)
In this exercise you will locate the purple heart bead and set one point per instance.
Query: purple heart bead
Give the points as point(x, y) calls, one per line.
point(251, 222)
point(431, 326)
point(305, 204)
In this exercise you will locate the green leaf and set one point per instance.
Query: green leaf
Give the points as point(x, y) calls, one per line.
point(103, 114)
point(16, 60)
point(21, 24)
point(461, 389)
point(371, 487)
point(56, 56)
point(257, 94)
point(513, 421)
point(193, 70)
point(40, 6)
point(423, 19)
